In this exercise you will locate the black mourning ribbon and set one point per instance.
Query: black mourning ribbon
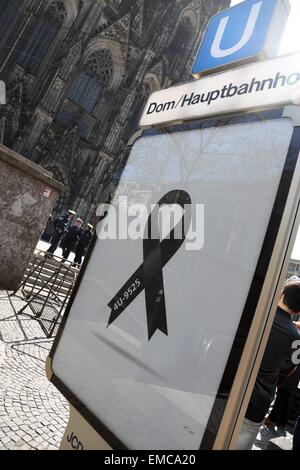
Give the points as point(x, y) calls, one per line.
point(149, 275)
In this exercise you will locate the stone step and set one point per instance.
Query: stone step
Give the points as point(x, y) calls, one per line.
point(30, 283)
point(51, 263)
point(48, 275)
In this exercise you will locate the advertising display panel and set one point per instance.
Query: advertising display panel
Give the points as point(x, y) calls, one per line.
point(152, 339)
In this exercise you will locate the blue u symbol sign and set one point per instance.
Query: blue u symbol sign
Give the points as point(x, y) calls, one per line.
point(248, 30)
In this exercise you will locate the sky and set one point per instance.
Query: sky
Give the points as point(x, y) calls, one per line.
point(291, 38)
point(290, 43)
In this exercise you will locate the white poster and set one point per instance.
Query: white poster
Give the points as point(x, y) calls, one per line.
point(150, 373)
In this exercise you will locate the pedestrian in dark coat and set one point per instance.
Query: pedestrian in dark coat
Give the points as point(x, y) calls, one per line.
point(286, 390)
point(278, 352)
point(83, 244)
point(296, 439)
point(71, 238)
point(61, 224)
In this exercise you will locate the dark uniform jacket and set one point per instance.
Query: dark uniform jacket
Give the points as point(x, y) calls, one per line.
point(84, 240)
point(72, 235)
point(62, 223)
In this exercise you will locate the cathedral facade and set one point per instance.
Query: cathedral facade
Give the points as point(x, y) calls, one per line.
point(78, 74)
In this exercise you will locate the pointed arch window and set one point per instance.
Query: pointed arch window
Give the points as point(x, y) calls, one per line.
point(36, 43)
point(92, 79)
point(8, 12)
point(183, 38)
point(180, 46)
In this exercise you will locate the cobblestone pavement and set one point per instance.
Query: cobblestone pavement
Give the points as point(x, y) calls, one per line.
point(33, 414)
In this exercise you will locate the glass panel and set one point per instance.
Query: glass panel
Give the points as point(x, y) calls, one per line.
point(34, 46)
point(85, 91)
point(8, 11)
point(158, 393)
point(66, 114)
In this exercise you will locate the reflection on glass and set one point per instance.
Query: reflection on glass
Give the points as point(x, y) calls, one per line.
point(158, 394)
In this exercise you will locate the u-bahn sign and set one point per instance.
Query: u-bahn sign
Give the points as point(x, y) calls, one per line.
point(246, 32)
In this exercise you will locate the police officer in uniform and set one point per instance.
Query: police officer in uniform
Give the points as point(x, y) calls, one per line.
point(61, 225)
point(82, 244)
point(71, 238)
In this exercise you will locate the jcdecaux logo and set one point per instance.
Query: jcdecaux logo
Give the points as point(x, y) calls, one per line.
point(245, 32)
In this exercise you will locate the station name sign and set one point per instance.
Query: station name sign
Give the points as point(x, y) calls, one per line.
point(272, 83)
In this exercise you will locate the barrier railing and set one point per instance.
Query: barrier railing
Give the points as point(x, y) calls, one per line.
point(46, 288)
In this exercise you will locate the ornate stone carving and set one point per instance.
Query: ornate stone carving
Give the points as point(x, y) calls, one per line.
point(133, 48)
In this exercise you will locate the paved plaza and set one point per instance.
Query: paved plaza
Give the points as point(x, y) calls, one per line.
point(33, 414)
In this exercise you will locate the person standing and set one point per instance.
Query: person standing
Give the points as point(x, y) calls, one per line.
point(48, 230)
point(286, 391)
point(61, 224)
point(83, 244)
point(296, 438)
point(70, 239)
point(278, 353)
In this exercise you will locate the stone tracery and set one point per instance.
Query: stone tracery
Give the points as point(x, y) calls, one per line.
point(96, 66)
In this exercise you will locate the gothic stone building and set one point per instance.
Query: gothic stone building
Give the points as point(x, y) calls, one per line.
point(78, 73)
